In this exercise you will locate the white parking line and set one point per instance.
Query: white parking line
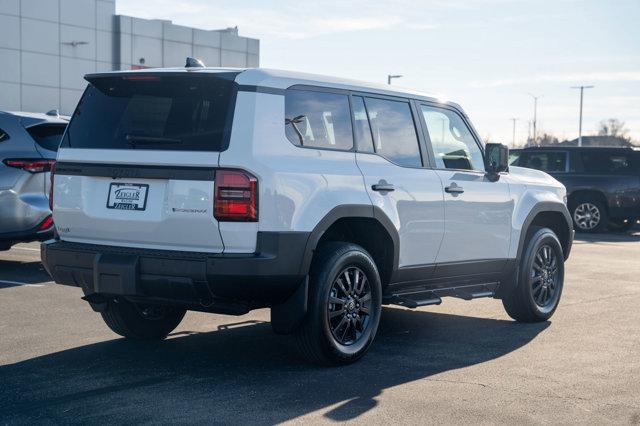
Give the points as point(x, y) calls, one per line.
point(19, 283)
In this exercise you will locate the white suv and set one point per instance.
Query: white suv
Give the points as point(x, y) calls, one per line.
point(223, 191)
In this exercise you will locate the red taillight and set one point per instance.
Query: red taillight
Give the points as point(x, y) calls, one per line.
point(51, 177)
point(46, 224)
point(32, 165)
point(236, 196)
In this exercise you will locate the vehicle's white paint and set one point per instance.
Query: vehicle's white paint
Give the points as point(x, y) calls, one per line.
point(298, 187)
point(415, 207)
point(478, 221)
point(528, 188)
point(179, 213)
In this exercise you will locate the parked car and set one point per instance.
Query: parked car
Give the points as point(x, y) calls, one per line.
point(28, 146)
point(603, 184)
point(230, 190)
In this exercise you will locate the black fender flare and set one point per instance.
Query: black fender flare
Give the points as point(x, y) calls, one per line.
point(349, 211)
point(545, 206)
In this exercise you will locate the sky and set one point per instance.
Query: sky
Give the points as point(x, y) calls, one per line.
point(487, 55)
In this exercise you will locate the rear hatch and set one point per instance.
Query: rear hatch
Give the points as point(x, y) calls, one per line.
point(136, 166)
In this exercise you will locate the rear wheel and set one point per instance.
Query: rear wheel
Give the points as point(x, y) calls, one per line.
point(589, 215)
point(540, 279)
point(345, 298)
point(141, 322)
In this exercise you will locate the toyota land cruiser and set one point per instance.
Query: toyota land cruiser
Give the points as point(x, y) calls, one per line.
point(223, 191)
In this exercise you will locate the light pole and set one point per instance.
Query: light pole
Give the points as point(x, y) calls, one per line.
point(391, 76)
point(580, 124)
point(513, 141)
point(535, 116)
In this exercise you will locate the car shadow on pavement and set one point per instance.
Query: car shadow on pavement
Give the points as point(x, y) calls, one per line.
point(243, 373)
point(14, 273)
point(608, 237)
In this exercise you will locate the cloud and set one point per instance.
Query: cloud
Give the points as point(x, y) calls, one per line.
point(289, 20)
point(627, 76)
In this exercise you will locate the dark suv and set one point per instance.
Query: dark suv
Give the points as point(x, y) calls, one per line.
point(603, 184)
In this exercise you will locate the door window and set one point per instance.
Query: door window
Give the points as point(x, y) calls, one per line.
point(362, 130)
point(394, 132)
point(545, 161)
point(454, 147)
point(318, 119)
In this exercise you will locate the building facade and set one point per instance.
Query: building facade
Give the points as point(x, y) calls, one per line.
point(47, 46)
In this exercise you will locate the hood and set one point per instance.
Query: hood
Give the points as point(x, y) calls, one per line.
point(532, 177)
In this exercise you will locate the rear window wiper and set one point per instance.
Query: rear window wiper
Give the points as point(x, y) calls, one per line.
point(150, 140)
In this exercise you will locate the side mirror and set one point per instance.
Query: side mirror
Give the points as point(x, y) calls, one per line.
point(496, 160)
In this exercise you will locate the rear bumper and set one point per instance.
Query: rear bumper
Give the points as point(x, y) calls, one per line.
point(33, 234)
point(198, 280)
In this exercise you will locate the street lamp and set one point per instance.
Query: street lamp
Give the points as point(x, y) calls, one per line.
point(513, 140)
point(581, 96)
point(535, 116)
point(391, 76)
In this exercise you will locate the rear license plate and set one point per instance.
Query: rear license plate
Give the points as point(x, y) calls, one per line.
point(127, 196)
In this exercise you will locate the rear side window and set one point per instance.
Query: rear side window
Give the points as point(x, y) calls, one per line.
point(394, 132)
point(362, 130)
point(47, 136)
point(3, 136)
point(545, 161)
point(318, 119)
point(186, 112)
point(612, 163)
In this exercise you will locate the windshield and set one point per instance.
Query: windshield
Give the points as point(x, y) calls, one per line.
point(47, 136)
point(140, 111)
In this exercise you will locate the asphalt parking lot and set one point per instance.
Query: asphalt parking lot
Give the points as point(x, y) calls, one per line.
point(460, 362)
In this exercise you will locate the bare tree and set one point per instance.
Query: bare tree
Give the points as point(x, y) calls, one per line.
point(615, 128)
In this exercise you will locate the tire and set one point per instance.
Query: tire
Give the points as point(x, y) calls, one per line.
point(339, 333)
point(622, 225)
point(589, 215)
point(135, 321)
point(537, 293)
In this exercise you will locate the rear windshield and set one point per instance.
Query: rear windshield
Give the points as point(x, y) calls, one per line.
point(140, 111)
point(47, 136)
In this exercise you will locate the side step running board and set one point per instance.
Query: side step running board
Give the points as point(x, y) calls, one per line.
point(422, 297)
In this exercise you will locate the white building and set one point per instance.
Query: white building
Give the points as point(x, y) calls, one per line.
point(47, 46)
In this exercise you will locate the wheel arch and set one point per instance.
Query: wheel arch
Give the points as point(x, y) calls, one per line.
point(587, 193)
point(364, 225)
point(554, 216)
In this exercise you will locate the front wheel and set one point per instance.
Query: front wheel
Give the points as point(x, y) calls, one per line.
point(141, 322)
point(540, 279)
point(345, 299)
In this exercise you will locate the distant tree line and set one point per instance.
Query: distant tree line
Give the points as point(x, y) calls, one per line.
point(611, 132)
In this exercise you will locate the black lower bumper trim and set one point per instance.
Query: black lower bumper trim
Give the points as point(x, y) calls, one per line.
point(265, 278)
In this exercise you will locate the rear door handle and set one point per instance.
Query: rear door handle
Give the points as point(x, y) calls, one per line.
point(454, 189)
point(383, 186)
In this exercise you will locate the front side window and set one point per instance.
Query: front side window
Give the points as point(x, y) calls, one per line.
point(394, 132)
point(545, 161)
point(454, 147)
point(318, 119)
